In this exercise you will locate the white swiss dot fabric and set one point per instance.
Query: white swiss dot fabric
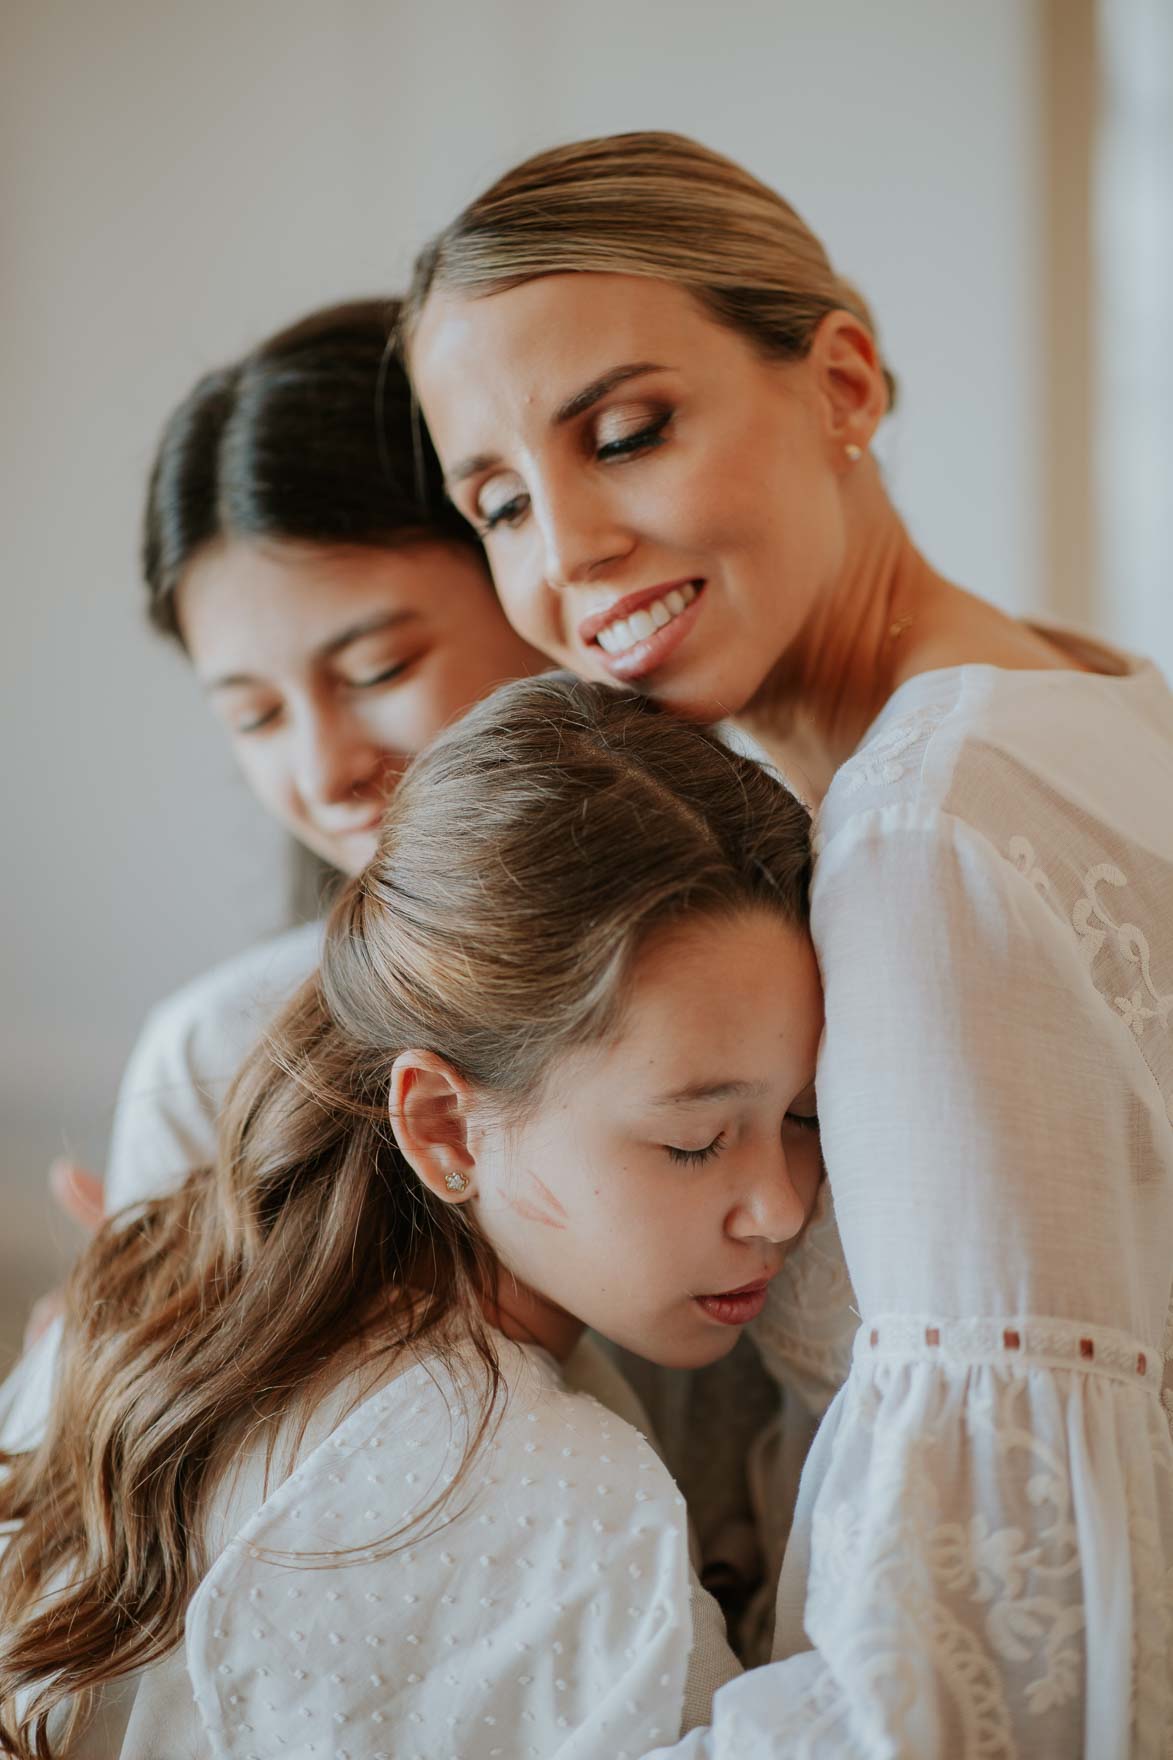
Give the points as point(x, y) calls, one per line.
point(981, 1561)
point(547, 1611)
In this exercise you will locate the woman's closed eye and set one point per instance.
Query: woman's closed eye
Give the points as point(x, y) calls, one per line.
point(502, 501)
point(619, 434)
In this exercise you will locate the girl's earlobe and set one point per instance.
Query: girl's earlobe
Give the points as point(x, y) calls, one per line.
point(429, 1104)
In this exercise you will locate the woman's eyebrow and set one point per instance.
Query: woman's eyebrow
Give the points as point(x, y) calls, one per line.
point(575, 405)
point(583, 400)
point(698, 1091)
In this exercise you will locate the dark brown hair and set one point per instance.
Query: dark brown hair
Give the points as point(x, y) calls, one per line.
point(310, 437)
point(524, 862)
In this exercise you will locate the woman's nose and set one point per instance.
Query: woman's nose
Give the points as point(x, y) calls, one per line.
point(580, 534)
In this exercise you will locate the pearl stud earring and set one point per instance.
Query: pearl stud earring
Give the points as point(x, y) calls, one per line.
point(854, 453)
point(456, 1181)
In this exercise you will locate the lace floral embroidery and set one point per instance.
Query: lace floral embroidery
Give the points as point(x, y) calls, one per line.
point(886, 758)
point(1095, 928)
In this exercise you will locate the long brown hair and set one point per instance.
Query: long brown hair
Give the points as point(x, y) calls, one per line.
point(522, 864)
point(651, 204)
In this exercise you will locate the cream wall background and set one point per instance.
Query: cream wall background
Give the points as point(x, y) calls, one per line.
point(179, 179)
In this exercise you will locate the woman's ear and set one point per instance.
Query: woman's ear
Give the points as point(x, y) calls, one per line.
point(850, 376)
point(430, 1117)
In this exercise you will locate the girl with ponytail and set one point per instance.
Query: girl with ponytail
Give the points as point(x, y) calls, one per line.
point(308, 1479)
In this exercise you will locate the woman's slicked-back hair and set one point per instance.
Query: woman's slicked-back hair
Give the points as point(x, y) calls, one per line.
point(310, 437)
point(651, 204)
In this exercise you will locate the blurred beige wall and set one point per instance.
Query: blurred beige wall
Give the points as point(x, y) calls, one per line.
point(179, 179)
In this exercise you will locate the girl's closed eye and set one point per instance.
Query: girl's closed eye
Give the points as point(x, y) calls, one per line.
point(805, 1121)
point(252, 719)
point(695, 1157)
point(384, 675)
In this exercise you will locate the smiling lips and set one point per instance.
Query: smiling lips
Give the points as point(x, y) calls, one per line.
point(638, 632)
point(625, 632)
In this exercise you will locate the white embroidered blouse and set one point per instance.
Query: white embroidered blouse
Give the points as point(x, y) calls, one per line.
point(981, 1561)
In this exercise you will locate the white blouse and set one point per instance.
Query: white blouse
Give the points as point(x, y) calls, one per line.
point(981, 1562)
point(548, 1609)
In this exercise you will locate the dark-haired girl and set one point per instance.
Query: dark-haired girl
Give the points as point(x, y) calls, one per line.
point(298, 544)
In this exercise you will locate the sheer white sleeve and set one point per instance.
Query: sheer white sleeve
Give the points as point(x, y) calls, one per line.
point(981, 1562)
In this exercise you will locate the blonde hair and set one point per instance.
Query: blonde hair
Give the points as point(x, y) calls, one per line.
point(651, 204)
point(523, 862)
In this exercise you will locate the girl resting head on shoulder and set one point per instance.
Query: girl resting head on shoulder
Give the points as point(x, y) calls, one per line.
point(556, 1070)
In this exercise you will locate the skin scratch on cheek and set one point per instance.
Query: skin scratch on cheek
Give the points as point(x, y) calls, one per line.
point(548, 1211)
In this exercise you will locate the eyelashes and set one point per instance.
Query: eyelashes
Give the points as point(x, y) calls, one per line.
point(803, 1121)
point(642, 437)
point(695, 1157)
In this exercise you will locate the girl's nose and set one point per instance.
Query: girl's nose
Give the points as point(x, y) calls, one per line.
point(336, 757)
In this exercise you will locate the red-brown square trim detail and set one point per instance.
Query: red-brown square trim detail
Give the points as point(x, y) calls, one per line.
point(1011, 1341)
point(1142, 1362)
point(875, 1338)
point(1086, 1348)
point(932, 1335)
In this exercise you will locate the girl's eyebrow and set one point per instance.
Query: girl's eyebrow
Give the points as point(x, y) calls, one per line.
point(575, 405)
point(698, 1091)
point(368, 626)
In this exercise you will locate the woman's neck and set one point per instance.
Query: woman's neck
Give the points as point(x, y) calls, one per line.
point(889, 617)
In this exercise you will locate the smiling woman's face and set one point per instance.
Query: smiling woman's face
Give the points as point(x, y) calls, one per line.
point(332, 668)
point(661, 504)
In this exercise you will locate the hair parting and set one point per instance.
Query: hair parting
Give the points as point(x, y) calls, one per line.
point(308, 438)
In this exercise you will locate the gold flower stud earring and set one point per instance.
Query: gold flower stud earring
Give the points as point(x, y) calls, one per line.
point(456, 1181)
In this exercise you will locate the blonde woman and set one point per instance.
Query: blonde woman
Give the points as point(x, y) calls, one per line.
point(311, 1480)
point(654, 398)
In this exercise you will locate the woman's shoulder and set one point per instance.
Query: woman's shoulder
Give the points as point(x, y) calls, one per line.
point(391, 1582)
point(1077, 759)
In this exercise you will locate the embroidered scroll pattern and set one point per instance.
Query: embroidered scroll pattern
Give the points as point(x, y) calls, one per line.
point(986, 1611)
point(885, 759)
point(1095, 928)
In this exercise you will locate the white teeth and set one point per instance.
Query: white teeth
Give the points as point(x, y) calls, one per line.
point(615, 637)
